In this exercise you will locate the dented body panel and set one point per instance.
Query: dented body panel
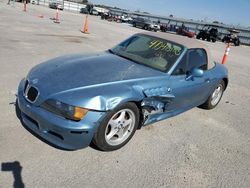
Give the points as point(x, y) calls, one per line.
point(102, 82)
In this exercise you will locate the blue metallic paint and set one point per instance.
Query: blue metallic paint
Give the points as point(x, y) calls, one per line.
point(100, 83)
point(43, 122)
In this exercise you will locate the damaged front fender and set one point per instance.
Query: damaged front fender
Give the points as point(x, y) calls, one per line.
point(100, 98)
point(156, 101)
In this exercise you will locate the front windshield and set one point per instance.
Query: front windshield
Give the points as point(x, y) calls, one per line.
point(150, 51)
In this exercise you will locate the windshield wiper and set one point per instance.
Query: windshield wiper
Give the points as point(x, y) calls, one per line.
point(111, 51)
point(125, 57)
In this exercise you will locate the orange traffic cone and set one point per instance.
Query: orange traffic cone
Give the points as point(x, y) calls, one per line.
point(24, 6)
point(86, 26)
point(57, 16)
point(226, 54)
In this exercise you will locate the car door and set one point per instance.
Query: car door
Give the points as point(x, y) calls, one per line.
point(189, 92)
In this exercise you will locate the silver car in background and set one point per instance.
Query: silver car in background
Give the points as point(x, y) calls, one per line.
point(56, 5)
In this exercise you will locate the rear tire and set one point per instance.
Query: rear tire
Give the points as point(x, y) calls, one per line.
point(237, 42)
point(198, 36)
point(214, 99)
point(117, 128)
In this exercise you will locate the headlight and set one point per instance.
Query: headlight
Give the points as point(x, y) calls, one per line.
point(67, 111)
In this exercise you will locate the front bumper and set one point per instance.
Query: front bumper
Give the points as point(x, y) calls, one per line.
point(56, 130)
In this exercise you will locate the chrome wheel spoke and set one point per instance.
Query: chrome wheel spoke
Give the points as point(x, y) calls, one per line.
point(113, 123)
point(216, 95)
point(111, 134)
point(127, 122)
point(122, 116)
point(120, 133)
point(120, 127)
point(213, 95)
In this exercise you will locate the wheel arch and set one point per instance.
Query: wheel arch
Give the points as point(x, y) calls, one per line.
point(225, 80)
point(141, 116)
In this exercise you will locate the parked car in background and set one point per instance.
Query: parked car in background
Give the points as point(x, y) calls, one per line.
point(154, 26)
point(84, 11)
point(105, 16)
point(232, 37)
point(104, 98)
point(126, 19)
point(56, 5)
point(184, 31)
point(145, 24)
point(94, 12)
point(209, 33)
point(164, 27)
point(167, 27)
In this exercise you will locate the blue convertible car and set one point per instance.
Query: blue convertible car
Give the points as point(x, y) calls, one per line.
point(104, 98)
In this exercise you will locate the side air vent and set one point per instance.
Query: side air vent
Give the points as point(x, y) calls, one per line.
point(31, 93)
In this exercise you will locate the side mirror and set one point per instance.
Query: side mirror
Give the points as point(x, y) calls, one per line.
point(195, 72)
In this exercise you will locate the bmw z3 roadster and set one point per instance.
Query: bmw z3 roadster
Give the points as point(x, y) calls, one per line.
point(104, 98)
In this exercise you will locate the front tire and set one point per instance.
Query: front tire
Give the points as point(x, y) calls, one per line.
point(237, 42)
point(214, 99)
point(117, 128)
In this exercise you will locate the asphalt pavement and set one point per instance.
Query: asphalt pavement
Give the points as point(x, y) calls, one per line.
point(198, 148)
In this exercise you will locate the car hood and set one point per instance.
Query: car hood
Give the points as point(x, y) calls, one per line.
point(78, 71)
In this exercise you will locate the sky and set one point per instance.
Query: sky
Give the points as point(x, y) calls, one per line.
point(236, 12)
